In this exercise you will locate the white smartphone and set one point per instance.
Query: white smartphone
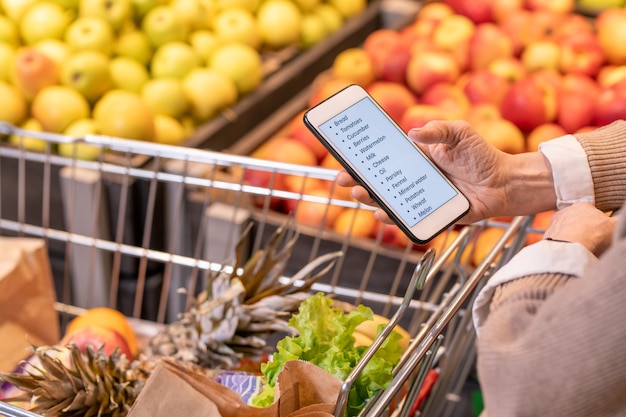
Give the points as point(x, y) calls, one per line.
point(402, 180)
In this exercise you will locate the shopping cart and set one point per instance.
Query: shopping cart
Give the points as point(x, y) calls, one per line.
point(144, 220)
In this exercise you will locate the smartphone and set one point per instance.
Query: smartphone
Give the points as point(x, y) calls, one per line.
point(402, 180)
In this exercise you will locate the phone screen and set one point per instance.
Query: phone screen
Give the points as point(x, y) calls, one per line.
point(386, 159)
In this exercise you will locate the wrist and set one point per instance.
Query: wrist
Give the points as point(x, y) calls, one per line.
point(530, 184)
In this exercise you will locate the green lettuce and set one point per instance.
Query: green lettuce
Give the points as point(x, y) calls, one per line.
point(325, 339)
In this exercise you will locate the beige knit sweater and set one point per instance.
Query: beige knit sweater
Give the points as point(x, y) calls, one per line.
point(555, 345)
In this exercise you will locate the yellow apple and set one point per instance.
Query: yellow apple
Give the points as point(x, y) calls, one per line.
point(33, 71)
point(349, 8)
point(197, 14)
point(7, 56)
point(308, 6)
point(80, 128)
point(57, 106)
point(250, 5)
point(88, 73)
point(162, 25)
point(174, 59)
point(28, 142)
point(14, 9)
point(14, 107)
point(503, 134)
point(134, 44)
point(280, 23)
point(67, 4)
point(314, 29)
point(237, 24)
point(142, 7)
point(90, 33)
point(123, 114)
point(205, 106)
point(55, 49)
point(168, 130)
point(204, 42)
point(453, 30)
point(331, 16)
point(128, 74)
point(8, 31)
point(541, 54)
point(354, 65)
point(116, 12)
point(241, 63)
point(165, 96)
point(611, 30)
point(43, 20)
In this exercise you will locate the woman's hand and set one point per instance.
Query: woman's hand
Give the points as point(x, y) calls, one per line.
point(585, 224)
point(496, 183)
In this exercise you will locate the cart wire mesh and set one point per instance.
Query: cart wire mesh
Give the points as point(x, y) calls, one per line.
point(131, 228)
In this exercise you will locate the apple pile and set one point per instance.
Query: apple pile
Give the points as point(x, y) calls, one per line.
point(144, 69)
point(520, 71)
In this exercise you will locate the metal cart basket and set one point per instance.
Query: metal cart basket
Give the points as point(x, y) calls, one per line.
point(143, 220)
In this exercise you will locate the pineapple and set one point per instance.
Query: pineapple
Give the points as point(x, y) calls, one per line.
point(231, 318)
point(92, 384)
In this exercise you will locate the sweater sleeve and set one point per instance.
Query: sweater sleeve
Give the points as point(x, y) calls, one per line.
point(553, 343)
point(606, 154)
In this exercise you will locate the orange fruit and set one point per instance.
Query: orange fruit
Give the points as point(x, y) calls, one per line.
point(108, 318)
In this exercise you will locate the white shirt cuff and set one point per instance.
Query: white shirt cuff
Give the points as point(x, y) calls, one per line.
point(570, 169)
point(545, 256)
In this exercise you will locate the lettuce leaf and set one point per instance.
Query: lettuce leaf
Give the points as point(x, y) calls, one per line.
point(325, 339)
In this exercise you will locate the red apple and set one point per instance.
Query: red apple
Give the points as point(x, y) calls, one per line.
point(570, 24)
point(524, 104)
point(557, 6)
point(429, 68)
point(32, 71)
point(581, 53)
point(97, 337)
point(393, 97)
point(390, 54)
point(325, 87)
point(479, 11)
point(434, 11)
point(543, 133)
point(488, 43)
point(581, 83)
point(483, 86)
point(420, 29)
point(611, 32)
point(452, 35)
point(610, 106)
point(574, 110)
point(378, 44)
point(299, 132)
point(449, 97)
point(420, 114)
point(517, 27)
point(501, 9)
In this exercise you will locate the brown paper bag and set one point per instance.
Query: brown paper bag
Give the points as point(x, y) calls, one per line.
point(27, 314)
point(303, 390)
